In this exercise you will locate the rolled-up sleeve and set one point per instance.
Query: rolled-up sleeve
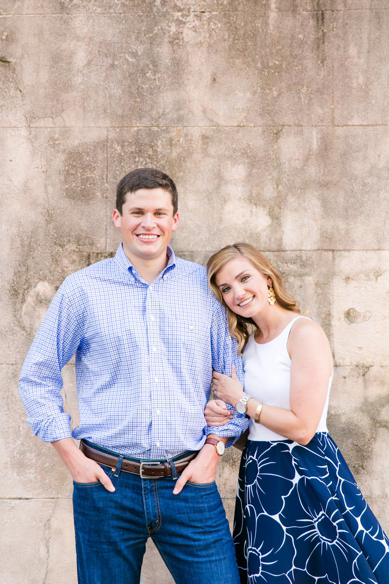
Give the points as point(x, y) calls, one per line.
point(224, 355)
point(40, 383)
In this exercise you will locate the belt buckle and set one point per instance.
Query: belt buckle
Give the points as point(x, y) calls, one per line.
point(142, 464)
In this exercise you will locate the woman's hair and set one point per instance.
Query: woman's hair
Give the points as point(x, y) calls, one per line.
point(241, 327)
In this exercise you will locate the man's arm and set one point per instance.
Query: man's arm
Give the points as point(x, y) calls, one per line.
point(40, 381)
point(224, 354)
point(40, 384)
point(203, 468)
point(82, 469)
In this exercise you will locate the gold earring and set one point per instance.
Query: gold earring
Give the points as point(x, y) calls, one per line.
point(271, 297)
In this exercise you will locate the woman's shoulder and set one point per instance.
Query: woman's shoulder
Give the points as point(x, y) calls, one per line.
point(303, 328)
point(306, 336)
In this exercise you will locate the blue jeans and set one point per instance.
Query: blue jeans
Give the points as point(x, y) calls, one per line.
point(190, 531)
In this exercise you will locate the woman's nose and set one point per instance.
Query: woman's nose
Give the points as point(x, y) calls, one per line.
point(239, 292)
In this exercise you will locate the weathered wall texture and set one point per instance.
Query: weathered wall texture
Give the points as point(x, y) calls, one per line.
point(272, 116)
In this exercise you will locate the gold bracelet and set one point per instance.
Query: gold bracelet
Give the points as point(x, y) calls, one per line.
point(258, 412)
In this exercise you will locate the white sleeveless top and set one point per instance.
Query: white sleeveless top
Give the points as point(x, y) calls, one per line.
point(267, 379)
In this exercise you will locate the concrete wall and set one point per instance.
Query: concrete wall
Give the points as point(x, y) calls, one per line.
point(272, 116)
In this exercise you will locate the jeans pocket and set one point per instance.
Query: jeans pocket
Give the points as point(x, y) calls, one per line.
point(201, 485)
point(94, 484)
point(108, 471)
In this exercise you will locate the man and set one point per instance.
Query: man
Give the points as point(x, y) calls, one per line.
point(146, 332)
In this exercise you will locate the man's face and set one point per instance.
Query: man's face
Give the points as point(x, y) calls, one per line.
point(146, 223)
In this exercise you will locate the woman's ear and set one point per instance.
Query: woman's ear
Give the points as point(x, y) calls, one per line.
point(269, 282)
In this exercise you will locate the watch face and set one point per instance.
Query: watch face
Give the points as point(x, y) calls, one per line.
point(240, 407)
point(220, 448)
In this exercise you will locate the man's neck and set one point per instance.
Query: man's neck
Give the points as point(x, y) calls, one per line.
point(149, 269)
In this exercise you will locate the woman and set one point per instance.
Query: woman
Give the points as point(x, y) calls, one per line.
point(300, 517)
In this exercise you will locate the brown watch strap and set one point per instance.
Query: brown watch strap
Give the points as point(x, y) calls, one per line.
point(213, 441)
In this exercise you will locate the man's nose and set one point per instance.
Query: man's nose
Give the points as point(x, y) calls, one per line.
point(148, 221)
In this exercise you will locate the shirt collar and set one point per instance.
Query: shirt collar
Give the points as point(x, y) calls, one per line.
point(125, 263)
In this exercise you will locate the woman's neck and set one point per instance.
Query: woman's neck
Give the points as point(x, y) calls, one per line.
point(271, 322)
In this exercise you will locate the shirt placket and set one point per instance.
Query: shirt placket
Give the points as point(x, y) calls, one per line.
point(154, 370)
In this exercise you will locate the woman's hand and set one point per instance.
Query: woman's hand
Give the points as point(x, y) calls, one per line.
point(216, 413)
point(229, 389)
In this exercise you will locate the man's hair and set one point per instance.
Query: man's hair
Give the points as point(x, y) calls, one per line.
point(145, 178)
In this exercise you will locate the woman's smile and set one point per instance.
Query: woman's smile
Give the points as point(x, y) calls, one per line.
point(246, 301)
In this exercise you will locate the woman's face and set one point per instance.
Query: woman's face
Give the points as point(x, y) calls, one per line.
point(244, 289)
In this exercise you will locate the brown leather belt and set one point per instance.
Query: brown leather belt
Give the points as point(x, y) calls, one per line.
point(146, 470)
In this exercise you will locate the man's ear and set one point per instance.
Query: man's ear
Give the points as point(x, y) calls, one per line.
point(176, 220)
point(117, 218)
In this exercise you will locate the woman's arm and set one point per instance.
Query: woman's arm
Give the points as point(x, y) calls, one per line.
point(311, 369)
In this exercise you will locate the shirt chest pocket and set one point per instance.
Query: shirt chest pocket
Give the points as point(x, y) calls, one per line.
point(187, 333)
point(191, 333)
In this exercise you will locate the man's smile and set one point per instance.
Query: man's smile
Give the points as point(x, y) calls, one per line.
point(147, 236)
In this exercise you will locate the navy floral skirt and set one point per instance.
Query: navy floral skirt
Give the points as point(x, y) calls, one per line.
point(300, 518)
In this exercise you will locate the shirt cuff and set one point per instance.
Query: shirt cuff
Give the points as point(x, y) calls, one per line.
point(52, 428)
point(232, 430)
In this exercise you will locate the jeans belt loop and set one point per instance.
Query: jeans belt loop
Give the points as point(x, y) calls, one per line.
point(118, 466)
point(174, 472)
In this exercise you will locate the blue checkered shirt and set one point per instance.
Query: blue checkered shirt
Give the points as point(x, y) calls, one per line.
point(144, 359)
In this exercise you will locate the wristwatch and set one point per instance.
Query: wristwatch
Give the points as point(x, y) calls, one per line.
point(218, 444)
point(241, 405)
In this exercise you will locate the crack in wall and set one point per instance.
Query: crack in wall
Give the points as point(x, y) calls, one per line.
point(46, 537)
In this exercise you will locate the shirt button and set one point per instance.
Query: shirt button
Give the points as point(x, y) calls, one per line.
point(151, 317)
point(158, 412)
point(154, 349)
point(158, 444)
point(150, 288)
point(156, 380)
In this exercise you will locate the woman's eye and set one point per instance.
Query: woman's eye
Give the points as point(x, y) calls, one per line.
point(245, 278)
point(226, 290)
